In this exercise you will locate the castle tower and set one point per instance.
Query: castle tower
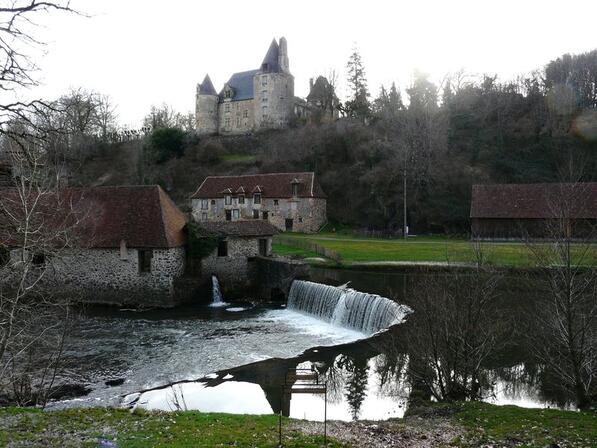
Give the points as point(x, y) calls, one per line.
point(206, 107)
point(273, 88)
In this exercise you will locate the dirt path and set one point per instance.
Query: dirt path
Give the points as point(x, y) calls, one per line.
point(412, 433)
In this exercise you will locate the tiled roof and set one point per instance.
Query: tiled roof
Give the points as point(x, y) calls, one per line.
point(242, 84)
point(101, 217)
point(240, 228)
point(534, 201)
point(272, 185)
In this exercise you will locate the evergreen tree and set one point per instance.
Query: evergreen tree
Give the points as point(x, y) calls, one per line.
point(358, 105)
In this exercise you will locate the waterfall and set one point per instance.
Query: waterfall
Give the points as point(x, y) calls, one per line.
point(216, 295)
point(345, 307)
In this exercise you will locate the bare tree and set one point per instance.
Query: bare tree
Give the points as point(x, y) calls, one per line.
point(565, 336)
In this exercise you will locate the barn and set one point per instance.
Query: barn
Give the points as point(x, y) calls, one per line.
point(539, 211)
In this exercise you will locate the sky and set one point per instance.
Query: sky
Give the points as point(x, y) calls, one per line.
point(146, 52)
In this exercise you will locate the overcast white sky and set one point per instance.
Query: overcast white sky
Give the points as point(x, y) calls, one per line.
point(144, 52)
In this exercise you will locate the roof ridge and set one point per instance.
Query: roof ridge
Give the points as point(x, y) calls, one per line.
point(258, 174)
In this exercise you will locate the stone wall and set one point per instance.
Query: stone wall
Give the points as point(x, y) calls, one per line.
point(272, 277)
point(107, 276)
point(275, 93)
point(206, 114)
point(308, 214)
point(240, 115)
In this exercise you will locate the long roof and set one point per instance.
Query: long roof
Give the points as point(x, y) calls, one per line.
point(270, 185)
point(240, 228)
point(102, 217)
point(242, 85)
point(534, 201)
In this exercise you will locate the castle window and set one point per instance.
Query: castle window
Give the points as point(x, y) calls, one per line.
point(227, 200)
point(264, 100)
point(213, 202)
point(275, 203)
point(264, 80)
point(257, 198)
point(204, 204)
point(227, 122)
point(228, 93)
point(237, 121)
point(246, 113)
point(227, 107)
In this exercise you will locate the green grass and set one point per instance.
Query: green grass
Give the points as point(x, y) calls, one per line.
point(356, 249)
point(489, 425)
point(238, 158)
point(289, 251)
point(85, 427)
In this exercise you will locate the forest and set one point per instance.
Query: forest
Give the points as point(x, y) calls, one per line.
point(442, 139)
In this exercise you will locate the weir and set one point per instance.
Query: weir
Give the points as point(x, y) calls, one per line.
point(345, 307)
point(216, 295)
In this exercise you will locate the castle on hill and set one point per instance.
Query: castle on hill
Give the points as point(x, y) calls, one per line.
point(255, 99)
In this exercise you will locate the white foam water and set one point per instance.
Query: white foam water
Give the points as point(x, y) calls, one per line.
point(216, 295)
point(345, 307)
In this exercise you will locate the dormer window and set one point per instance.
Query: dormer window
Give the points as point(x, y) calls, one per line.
point(257, 198)
point(227, 199)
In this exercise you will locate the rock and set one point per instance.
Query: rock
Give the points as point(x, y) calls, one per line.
point(115, 382)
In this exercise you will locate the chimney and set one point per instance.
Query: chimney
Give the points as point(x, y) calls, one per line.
point(310, 83)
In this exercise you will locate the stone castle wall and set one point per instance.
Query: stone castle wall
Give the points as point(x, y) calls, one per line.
point(236, 117)
point(274, 97)
point(206, 114)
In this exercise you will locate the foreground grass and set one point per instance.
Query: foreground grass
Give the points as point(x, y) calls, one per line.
point(478, 424)
point(91, 427)
point(490, 425)
point(419, 249)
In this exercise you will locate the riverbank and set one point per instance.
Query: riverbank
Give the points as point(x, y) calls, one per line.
point(354, 251)
point(460, 424)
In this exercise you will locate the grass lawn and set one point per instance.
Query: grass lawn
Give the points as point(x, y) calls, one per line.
point(418, 249)
point(478, 424)
point(87, 427)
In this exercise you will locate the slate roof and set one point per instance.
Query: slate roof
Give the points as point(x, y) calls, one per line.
point(101, 217)
point(207, 87)
point(240, 228)
point(242, 84)
point(270, 61)
point(534, 201)
point(272, 185)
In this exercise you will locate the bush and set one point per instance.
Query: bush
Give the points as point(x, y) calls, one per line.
point(167, 143)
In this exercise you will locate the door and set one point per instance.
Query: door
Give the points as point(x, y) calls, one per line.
point(263, 247)
point(228, 215)
point(265, 215)
point(289, 225)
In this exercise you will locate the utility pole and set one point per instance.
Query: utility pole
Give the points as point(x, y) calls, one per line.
point(404, 200)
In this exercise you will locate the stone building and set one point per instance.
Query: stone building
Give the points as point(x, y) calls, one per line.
point(322, 102)
point(250, 100)
point(292, 202)
point(520, 211)
point(240, 241)
point(126, 245)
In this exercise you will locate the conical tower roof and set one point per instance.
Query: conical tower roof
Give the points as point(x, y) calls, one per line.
point(207, 87)
point(270, 61)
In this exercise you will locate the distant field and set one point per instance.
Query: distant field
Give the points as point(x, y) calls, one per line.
point(356, 249)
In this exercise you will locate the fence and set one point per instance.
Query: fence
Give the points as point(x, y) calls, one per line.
point(310, 246)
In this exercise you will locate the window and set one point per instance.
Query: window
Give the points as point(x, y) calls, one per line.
point(264, 111)
point(246, 113)
point(263, 247)
point(264, 81)
point(213, 202)
point(227, 200)
point(204, 204)
point(39, 259)
point(227, 107)
point(288, 224)
point(300, 219)
point(255, 214)
point(295, 190)
point(203, 216)
point(227, 122)
point(237, 121)
point(241, 199)
point(228, 215)
point(228, 93)
point(264, 100)
point(145, 256)
point(276, 203)
point(223, 248)
point(264, 93)
point(265, 215)
point(235, 214)
point(257, 198)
